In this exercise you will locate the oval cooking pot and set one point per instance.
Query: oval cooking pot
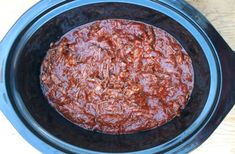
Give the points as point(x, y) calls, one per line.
point(25, 45)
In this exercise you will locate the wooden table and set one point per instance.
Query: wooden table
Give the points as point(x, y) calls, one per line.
point(221, 13)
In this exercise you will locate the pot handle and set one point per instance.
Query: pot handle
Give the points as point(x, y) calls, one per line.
point(232, 69)
point(227, 97)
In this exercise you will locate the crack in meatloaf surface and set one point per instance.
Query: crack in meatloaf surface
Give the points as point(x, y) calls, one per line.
point(117, 76)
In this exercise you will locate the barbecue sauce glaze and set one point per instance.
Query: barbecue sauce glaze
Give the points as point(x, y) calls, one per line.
point(117, 76)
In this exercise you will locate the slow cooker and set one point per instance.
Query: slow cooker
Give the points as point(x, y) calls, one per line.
point(25, 45)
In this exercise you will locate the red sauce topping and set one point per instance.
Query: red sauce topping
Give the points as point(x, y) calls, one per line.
point(117, 76)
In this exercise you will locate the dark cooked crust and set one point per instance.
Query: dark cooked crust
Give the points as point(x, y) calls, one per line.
point(117, 76)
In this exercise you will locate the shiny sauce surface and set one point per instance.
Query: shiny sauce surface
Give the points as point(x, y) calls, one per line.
point(117, 76)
